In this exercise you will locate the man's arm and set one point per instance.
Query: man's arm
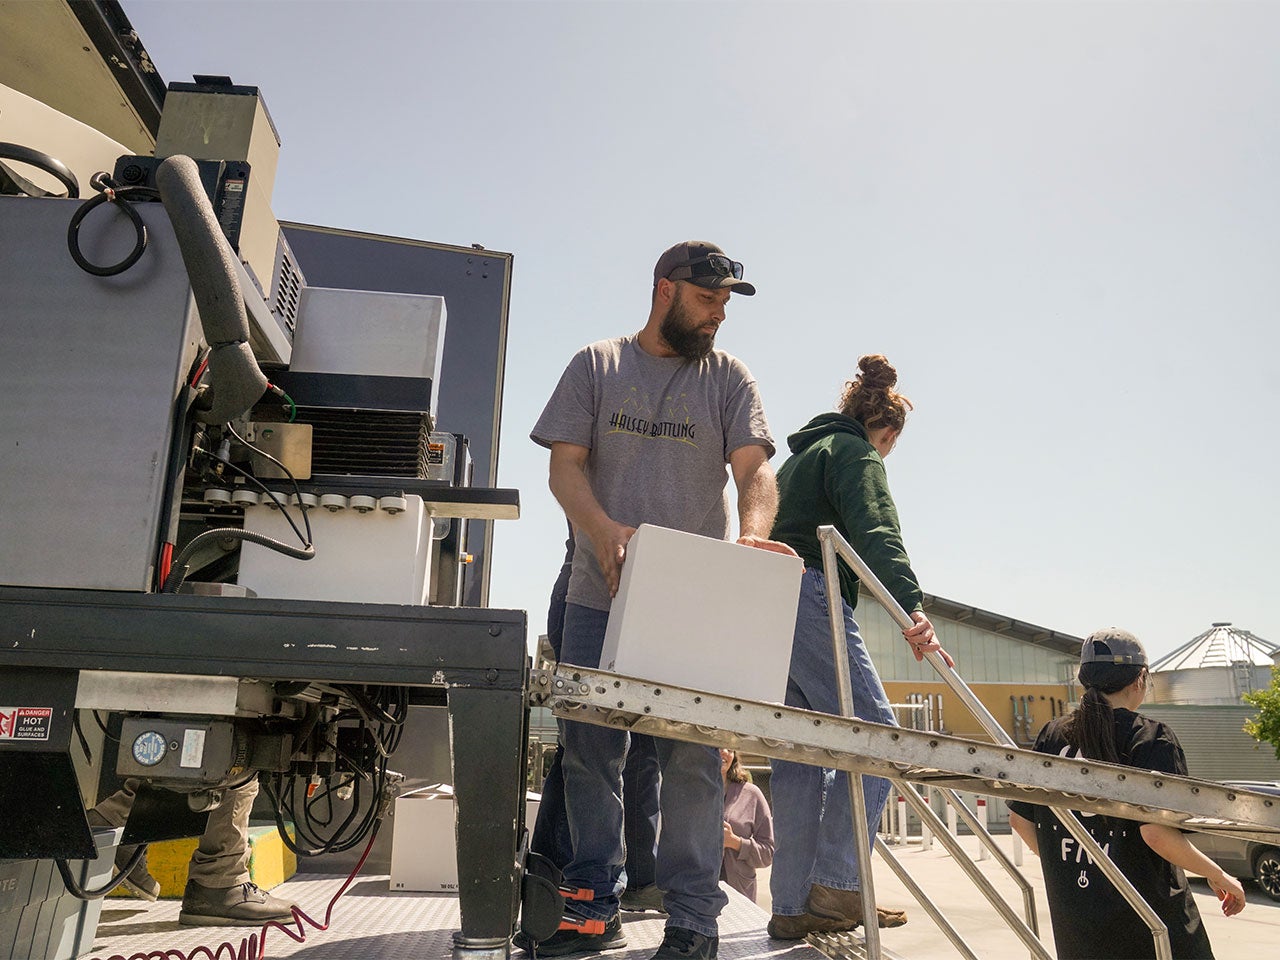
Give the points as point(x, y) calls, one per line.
point(571, 488)
point(757, 498)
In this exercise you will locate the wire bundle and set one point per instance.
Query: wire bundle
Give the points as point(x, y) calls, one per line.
point(314, 807)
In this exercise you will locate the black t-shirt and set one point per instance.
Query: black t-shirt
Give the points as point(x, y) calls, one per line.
point(1091, 920)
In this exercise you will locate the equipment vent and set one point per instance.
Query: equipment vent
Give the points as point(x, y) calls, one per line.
point(374, 443)
point(288, 288)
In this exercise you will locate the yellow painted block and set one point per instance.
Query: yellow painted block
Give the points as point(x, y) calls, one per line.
point(271, 862)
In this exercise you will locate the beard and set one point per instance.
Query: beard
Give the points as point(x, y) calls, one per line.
point(682, 336)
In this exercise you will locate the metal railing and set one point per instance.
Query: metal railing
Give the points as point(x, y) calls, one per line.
point(833, 545)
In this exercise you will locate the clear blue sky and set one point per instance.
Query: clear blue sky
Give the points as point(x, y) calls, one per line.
point(1061, 221)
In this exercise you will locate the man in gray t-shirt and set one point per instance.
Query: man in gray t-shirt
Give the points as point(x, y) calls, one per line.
point(647, 429)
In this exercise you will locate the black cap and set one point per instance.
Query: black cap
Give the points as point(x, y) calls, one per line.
point(697, 251)
point(1113, 645)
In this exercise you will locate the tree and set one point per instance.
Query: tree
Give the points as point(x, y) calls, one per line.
point(1265, 727)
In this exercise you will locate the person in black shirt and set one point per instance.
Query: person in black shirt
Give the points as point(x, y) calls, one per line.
point(1091, 920)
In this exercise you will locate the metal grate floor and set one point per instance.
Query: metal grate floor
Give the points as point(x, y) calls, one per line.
point(371, 922)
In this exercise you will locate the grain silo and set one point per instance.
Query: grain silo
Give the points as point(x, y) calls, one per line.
point(1217, 667)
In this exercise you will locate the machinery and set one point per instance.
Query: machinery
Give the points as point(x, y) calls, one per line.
point(244, 501)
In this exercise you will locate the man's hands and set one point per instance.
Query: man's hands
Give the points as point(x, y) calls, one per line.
point(923, 640)
point(773, 546)
point(609, 539)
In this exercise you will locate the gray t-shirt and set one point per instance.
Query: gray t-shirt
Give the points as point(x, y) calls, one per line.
point(660, 431)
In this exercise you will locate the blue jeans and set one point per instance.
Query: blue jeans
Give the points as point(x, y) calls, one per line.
point(640, 779)
point(691, 799)
point(640, 776)
point(812, 819)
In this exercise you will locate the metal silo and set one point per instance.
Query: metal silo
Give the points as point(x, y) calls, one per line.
point(1217, 667)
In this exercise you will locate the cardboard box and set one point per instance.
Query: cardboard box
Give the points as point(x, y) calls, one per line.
point(706, 614)
point(424, 850)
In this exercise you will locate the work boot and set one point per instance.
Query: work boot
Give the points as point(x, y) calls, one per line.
point(562, 943)
point(846, 905)
point(640, 899)
point(139, 880)
point(244, 905)
point(786, 927)
point(681, 944)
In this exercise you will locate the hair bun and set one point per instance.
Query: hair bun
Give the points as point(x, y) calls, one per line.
point(877, 372)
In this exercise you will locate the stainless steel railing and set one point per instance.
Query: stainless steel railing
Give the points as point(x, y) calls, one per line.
point(833, 545)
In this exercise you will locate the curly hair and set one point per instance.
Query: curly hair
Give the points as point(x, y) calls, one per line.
point(870, 398)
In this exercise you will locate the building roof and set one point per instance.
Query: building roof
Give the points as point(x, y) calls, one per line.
point(1222, 645)
point(936, 606)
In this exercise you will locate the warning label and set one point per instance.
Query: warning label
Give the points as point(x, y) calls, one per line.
point(25, 723)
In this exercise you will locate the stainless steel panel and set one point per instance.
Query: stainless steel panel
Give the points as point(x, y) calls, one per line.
point(89, 370)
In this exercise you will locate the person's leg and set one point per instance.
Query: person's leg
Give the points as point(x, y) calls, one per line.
point(691, 845)
point(835, 871)
point(219, 892)
point(551, 836)
point(640, 809)
point(113, 811)
point(797, 788)
point(551, 829)
point(592, 770)
point(592, 767)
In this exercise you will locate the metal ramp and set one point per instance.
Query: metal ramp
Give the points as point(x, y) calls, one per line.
point(917, 756)
point(904, 757)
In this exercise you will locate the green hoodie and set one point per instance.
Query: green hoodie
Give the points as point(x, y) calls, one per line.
point(834, 476)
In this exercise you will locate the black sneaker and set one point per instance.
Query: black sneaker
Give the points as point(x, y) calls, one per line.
point(564, 942)
point(681, 944)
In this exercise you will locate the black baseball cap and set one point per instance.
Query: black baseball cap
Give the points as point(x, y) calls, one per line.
point(703, 264)
point(1113, 645)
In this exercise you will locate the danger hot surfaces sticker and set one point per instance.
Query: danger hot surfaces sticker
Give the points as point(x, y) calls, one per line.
point(25, 723)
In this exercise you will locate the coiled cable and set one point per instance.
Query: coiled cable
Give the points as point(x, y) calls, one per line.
point(111, 193)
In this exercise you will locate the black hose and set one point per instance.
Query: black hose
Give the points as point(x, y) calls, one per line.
point(119, 198)
point(80, 893)
point(178, 572)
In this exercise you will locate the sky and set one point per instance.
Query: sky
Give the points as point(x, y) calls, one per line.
point(1060, 222)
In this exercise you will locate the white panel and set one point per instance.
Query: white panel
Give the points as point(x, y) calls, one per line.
point(704, 613)
point(374, 557)
point(33, 124)
point(368, 332)
point(424, 853)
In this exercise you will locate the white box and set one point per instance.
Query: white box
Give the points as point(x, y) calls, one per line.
point(374, 557)
point(702, 613)
point(370, 332)
point(424, 848)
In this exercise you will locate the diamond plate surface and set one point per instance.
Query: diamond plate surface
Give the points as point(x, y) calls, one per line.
point(371, 922)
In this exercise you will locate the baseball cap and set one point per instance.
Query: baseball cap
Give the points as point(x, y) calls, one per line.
point(1113, 645)
point(703, 264)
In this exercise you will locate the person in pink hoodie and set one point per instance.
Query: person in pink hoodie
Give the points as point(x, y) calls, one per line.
point(748, 827)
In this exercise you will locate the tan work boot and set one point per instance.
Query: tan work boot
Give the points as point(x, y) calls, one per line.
point(846, 905)
point(139, 881)
point(244, 905)
point(784, 927)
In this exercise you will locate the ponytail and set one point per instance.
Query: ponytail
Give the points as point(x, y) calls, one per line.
point(1091, 728)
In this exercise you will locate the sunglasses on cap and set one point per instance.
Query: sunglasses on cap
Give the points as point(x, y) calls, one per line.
point(712, 265)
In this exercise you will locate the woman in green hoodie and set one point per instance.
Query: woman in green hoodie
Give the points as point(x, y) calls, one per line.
point(836, 476)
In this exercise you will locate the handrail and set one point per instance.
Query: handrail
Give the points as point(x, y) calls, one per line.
point(834, 544)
